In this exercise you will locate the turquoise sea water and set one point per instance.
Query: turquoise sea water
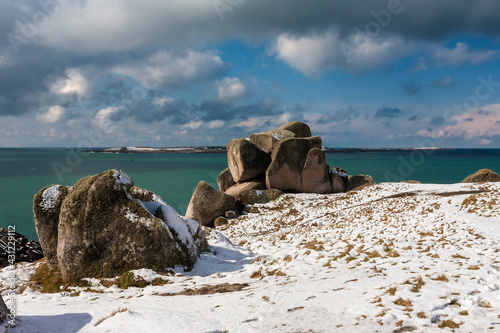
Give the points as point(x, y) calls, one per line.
point(23, 172)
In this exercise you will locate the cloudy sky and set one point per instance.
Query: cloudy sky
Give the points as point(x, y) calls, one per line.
point(366, 73)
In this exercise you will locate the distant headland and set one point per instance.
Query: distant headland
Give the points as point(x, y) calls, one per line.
point(222, 150)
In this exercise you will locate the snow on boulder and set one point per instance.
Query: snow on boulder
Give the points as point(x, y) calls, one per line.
point(267, 141)
point(105, 226)
point(46, 207)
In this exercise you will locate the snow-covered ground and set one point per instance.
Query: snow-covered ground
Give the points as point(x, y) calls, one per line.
point(389, 258)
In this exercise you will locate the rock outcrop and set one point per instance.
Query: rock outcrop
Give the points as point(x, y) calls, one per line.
point(47, 208)
point(269, 140)
point(15, 248)
point(225, 180)
point(262, 167)
point(246, 160)
point(207, 204)
point(288, 160)
point(300, 129)
point(483, 175)
point(254, 184)
point(358, 182)
point(105, 227)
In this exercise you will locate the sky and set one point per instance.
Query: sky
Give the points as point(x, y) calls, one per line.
point(366, 73)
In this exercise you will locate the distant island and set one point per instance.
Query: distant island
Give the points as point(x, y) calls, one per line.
point(222, 150)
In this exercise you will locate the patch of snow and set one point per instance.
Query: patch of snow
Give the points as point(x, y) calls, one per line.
point(122, 178)
point(132, 217)
point(49, 197)
point(181, 227)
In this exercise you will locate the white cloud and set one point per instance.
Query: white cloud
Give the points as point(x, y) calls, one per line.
point(474, 125)
point(461, 54)
point(102, 120)
point(216, 124)
point(166, 69)
point(317, 53)
point(74, 83)
point(193, 125)
point(53, 114)
point(231, 89)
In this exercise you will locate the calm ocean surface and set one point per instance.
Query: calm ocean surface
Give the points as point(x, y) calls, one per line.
point(23, 172)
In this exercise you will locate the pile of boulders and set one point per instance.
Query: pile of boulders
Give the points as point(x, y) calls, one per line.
point(104, 226)
point(15, 248)
point(263, 166)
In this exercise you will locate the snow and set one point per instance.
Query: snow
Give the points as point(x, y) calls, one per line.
point(393, 256)
point(49, 197)
point(132, 217)
point(122, 178)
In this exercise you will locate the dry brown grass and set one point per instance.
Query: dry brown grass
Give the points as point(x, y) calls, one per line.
point(418, 283)
point(421, 314)
point(403, 302)
point(111, 315)
point(441, 277)
point(448, 323)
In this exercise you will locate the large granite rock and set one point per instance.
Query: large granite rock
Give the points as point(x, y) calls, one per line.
point(47, 207)
point(267, 141)
point(337, 183)
point(225, 180)
point(246, 160)
point(287, 163)
point(359, 181)
point(207, 204)
point(255, 184)
point(316, 173)
point(104, 229)
point(300, 129)
point(483, 175)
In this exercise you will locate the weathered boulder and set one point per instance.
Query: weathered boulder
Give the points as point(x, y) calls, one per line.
point(230, 214)
point(104, 230)
point(337, 183)
point(267, 141)
point(220, 221)
point(300, 129)
point(47, 207)
point(254, 184)
point(246, 160)
point(288, 160)
point(251, 197)
point(225, 180)
point(207, 204)
point(316, 174)
point(273, 194)
point(483, 175)
point(359, 181)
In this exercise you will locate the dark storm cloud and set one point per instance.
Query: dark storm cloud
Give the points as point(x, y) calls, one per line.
point(387, 112)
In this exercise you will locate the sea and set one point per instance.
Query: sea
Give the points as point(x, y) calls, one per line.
point(24, 171)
